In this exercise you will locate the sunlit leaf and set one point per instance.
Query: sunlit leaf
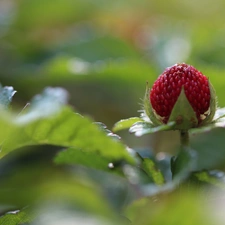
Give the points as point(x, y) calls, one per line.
point(48, 121)
point(65, 129)
point(214, 178)
point(18, 217)
point(126, 123)
point(150, 168)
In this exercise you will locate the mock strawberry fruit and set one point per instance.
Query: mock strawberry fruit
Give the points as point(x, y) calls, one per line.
point(184, 95)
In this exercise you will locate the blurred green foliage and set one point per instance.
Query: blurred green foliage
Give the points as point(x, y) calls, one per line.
point(102, 53)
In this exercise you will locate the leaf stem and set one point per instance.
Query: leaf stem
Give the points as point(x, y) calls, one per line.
point(184, 138)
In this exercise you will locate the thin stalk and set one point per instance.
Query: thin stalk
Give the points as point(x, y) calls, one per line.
point(184, 138)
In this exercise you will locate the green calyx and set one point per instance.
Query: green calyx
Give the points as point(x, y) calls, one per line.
point(183, 113)
point(149, 111)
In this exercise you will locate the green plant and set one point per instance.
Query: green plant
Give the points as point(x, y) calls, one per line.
point(87, 175)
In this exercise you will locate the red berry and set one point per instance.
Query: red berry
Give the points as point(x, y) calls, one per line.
point(168, 86)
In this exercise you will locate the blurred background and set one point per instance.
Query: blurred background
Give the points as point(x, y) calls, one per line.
point(103, 52)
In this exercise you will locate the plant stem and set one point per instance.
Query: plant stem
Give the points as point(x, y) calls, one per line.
point(184, 138)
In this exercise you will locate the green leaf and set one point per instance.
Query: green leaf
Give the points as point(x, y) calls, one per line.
point(203, 129)
point(150, 168)
point(48, 121)
point(109, 133)
point(215, 178)
point(74, 156)
point(141, 128)
point(42, 186)
point(18, 217)
point(67, 129)
point(184, 163)
point(125, 123)
point(171, 209)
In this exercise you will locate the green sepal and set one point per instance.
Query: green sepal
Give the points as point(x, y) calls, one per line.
point(183, 114)
point(148, 108)
point(212, 107)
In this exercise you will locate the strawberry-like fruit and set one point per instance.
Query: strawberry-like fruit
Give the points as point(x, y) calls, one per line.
point(167, 88)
